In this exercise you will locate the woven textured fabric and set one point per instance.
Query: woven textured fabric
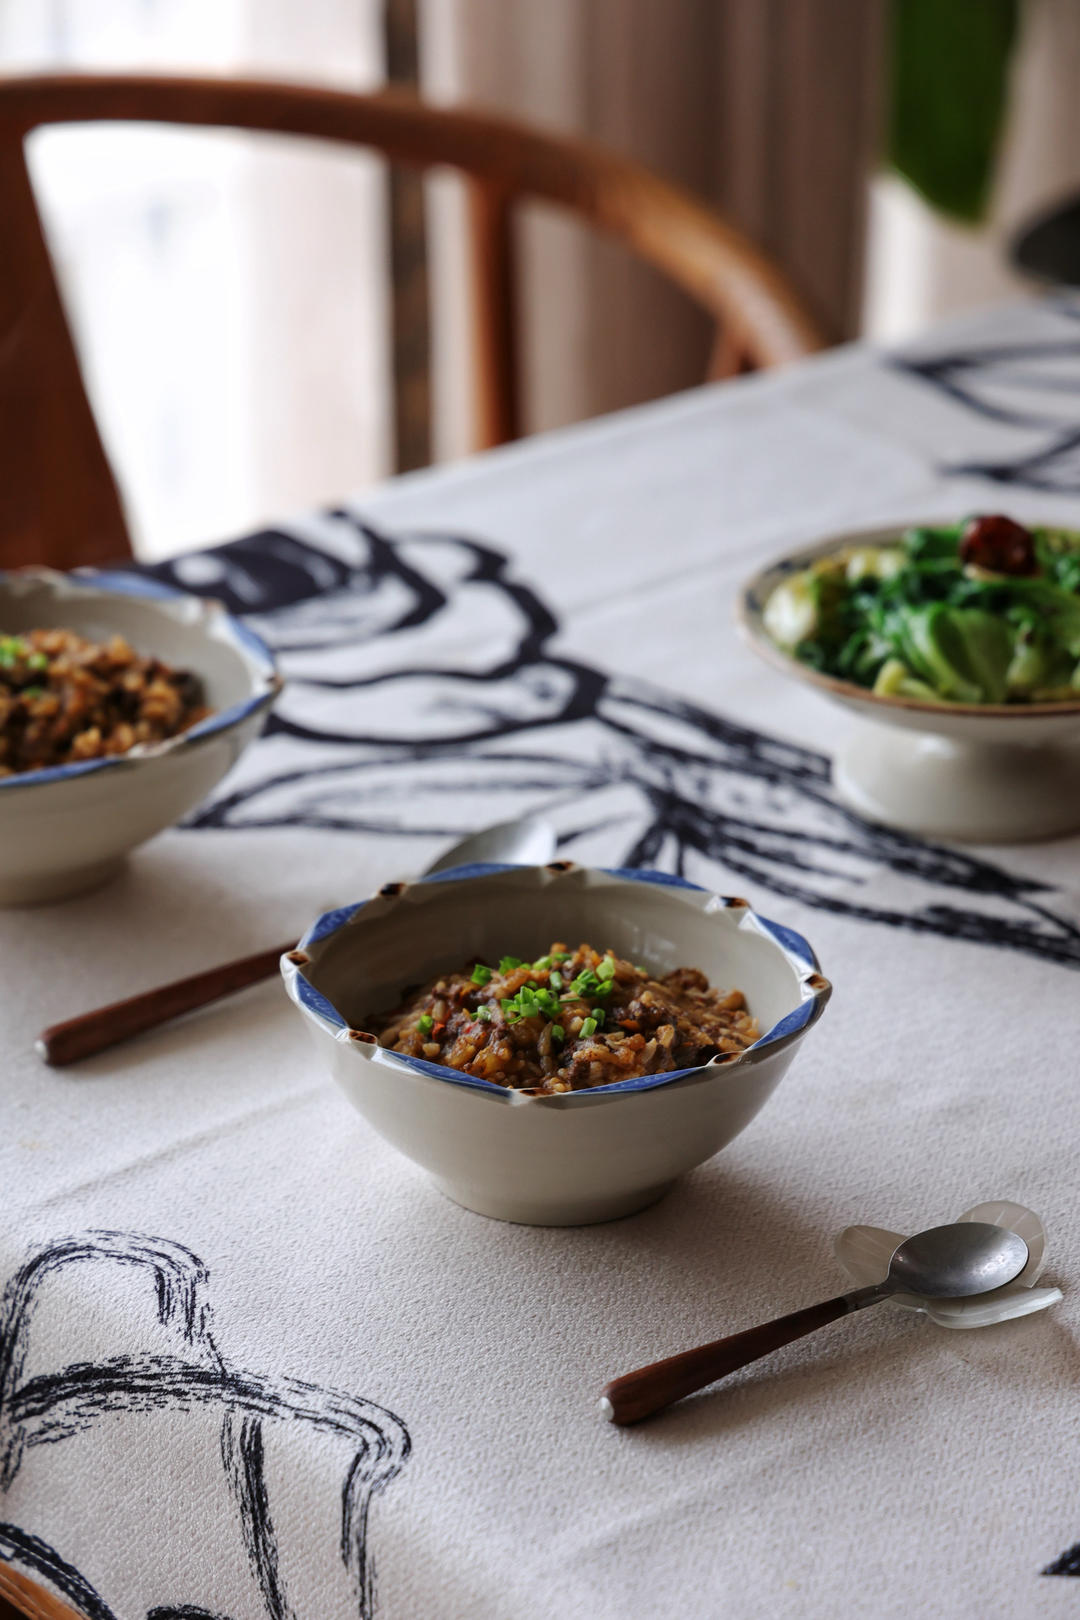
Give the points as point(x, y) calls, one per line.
point(252, 1364)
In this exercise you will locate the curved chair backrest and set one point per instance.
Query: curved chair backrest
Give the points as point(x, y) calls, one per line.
point(58, 500)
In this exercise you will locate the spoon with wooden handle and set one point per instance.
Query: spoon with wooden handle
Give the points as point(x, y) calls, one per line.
point(946, 1262)
point(527, 841)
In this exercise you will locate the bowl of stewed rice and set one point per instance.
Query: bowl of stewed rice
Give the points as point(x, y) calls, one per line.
point(122, 704)
point(555, 1045)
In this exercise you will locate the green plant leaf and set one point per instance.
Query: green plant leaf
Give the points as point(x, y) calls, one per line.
point(949, 83)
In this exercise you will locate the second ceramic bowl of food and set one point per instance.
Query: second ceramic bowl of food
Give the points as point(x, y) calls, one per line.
point(68, 827)
point(583, 1155)
point(980, 773)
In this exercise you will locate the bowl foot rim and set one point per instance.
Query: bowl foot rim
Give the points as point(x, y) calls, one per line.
point(43, 888)
point(937, 788)
point(549, 1212)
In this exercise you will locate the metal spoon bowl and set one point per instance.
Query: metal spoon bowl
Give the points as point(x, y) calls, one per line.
point(526, 841)
point(954, 1262)
point(959, 1261)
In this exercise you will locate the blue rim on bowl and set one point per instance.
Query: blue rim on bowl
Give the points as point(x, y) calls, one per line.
point(214, 619)
point(814, 989)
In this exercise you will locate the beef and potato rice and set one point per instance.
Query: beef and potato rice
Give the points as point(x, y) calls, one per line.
point(568, 1021)
point(65, 699)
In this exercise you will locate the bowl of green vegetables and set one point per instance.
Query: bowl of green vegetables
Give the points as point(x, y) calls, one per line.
point(959, 643)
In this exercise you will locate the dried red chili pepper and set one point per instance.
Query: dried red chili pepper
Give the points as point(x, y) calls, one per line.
point(999, 545)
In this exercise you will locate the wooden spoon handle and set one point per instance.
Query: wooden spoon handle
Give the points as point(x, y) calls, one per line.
point(96, 1031)
point(639, 1394)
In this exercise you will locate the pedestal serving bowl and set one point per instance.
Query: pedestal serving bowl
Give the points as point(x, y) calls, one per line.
point(978, 773)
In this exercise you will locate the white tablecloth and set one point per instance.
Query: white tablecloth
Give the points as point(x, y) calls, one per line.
point(252, 1364)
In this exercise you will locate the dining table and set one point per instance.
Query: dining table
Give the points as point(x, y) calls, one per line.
point(253, 1364)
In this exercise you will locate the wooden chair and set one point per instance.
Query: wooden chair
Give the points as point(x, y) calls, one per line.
point(58, 500)
point(24, 1599)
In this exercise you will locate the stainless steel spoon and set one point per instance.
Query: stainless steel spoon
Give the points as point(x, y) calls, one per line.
point(528, 841)
point(946, 1262)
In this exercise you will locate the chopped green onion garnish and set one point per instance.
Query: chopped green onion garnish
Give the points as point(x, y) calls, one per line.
point(604, 989)
point(606, 970)
point(588, 1028)
point(558, 1033)
point(643, 971)
point(555, 981)
point(507, 964)
point(37, 660)
point(33, 691)
point(424, 1024)
point(560, 956)
point(484, 1014)
point(598, 1016)
point(542, 964)
point(481, 974)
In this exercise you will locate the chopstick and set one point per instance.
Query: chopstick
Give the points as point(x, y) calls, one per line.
point(97, 1031)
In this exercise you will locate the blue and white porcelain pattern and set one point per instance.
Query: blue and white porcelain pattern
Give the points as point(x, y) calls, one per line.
point(575, 1157)
point(65, 829)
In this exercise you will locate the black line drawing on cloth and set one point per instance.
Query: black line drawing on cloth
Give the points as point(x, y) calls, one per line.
point(1056, 467)
point(79, 1401)
point(1027, 385)
point(1067, 1564)
point(424, 696)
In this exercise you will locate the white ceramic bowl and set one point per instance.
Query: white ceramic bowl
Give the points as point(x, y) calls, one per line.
point(580, 1156)
point(982, 773)
point(69, 828)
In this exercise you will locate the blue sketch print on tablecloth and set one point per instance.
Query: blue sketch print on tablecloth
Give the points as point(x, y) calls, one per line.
point(116, 1413)
point(426, 695)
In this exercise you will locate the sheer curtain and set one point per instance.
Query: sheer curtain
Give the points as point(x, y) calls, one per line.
point(228, 293)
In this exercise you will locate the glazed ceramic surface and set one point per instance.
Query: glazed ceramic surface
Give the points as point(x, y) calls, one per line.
point(66, 829)
point(865, 1252)
point(580, 1156)
point(977, 772)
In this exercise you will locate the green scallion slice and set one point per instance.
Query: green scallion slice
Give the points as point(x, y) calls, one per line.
point(481, 974)
point(588, 1028)
point(606, 969)
point(507, 964)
